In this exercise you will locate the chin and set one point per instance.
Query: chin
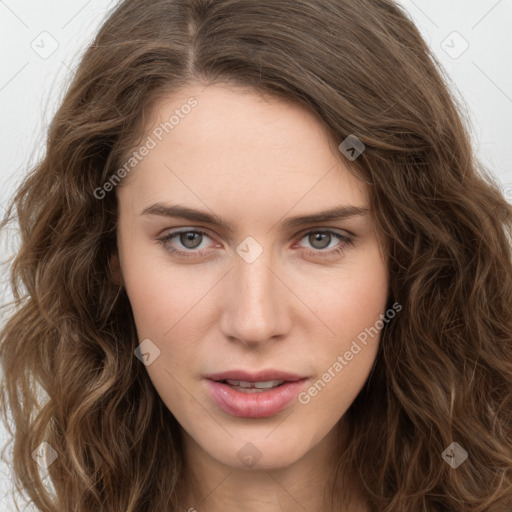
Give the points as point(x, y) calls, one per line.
point(259, 446)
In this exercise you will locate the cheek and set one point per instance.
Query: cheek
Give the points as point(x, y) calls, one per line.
point(162, 302)
point(343, 365)
point(353, 299)
point(152, 302)
point(160, 295)
point(170, 306)
point(352, 309)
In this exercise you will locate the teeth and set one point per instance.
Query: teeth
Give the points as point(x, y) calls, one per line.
point(255, 385)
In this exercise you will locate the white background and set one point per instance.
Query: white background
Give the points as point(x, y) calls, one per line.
point(32, 83)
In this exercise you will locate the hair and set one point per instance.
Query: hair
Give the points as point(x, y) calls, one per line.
point(443, 371)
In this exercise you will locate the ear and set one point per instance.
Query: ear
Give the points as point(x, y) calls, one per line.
point(115, 269)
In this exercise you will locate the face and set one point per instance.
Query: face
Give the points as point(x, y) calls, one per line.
point(246, 306)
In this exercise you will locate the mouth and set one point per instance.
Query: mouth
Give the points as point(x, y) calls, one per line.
point(253, 395)
point(252, 387)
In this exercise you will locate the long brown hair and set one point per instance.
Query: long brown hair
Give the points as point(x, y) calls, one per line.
point(443, 373)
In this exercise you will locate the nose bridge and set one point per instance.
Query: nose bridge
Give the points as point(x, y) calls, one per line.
point(254, 309)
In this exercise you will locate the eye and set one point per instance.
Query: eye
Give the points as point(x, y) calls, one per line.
point(321, 242)
point(191, 240)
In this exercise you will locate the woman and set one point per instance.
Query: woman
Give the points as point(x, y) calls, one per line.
point(199, 346)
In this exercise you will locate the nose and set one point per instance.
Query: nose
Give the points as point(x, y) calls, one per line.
point(255, 302)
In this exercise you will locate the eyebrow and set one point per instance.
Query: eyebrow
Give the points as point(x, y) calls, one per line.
point(182, 212)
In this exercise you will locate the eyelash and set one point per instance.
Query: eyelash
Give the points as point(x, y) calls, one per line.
point(346, 241)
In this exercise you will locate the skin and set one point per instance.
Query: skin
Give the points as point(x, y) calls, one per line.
point(254, 162)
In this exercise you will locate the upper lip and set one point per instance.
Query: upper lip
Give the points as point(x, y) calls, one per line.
point(259, 376)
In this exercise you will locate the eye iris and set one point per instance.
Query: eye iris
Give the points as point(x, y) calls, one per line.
point(313, 238)
point(187, 237)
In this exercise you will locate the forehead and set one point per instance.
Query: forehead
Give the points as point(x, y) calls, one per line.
point(241, 145)
point(230, 118)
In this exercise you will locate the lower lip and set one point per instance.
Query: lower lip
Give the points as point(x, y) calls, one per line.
point(253, 405)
